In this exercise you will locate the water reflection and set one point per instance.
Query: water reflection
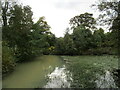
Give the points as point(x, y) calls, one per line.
point(59, 78)
point(105, 81)
point(62, 78)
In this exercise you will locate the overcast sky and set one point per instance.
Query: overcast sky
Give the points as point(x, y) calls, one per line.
point(59, 12)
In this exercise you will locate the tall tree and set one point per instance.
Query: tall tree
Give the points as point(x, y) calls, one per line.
point(5, 6)
point(109, 9)
point(85, 20)
point(4, 13)
point(82, 38)
point(20, 25)
point(69, 44)
point(40, 36)
point(99, 37)
point(111, 17)
point(59, 46)
point(4, 10)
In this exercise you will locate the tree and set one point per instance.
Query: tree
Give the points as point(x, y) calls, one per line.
point(85, 20)
point(4, 13)
point(99, 37)
point(111, 17)
point(82, 38)
point(41, 36)
point(69, 45)
point(5, 7)
point(20, 25)
point(109, 9)
point(59, 46)
point(51, 39)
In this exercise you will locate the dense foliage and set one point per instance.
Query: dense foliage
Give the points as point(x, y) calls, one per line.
point(86, 39)
point(22, 37)
point(110, 16)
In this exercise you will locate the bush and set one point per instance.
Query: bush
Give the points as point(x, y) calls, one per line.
point(8, 62)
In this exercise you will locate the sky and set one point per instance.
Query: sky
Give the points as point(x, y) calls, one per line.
point(58, 12)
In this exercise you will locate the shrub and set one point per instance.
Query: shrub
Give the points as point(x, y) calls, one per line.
point(8, 62)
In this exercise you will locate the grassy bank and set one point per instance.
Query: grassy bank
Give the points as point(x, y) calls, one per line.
point(87, 69)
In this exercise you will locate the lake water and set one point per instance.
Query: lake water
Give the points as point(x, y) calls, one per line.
point(32, 74)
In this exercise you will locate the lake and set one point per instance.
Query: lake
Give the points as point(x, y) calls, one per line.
point(32, 74)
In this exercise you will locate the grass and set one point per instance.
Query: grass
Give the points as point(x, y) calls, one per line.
point(85, 68)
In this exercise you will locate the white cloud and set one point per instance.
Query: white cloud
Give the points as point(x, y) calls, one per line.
point(59, 12)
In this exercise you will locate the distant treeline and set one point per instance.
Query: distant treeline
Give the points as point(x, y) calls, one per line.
point(22, 39)
point(83, 42)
